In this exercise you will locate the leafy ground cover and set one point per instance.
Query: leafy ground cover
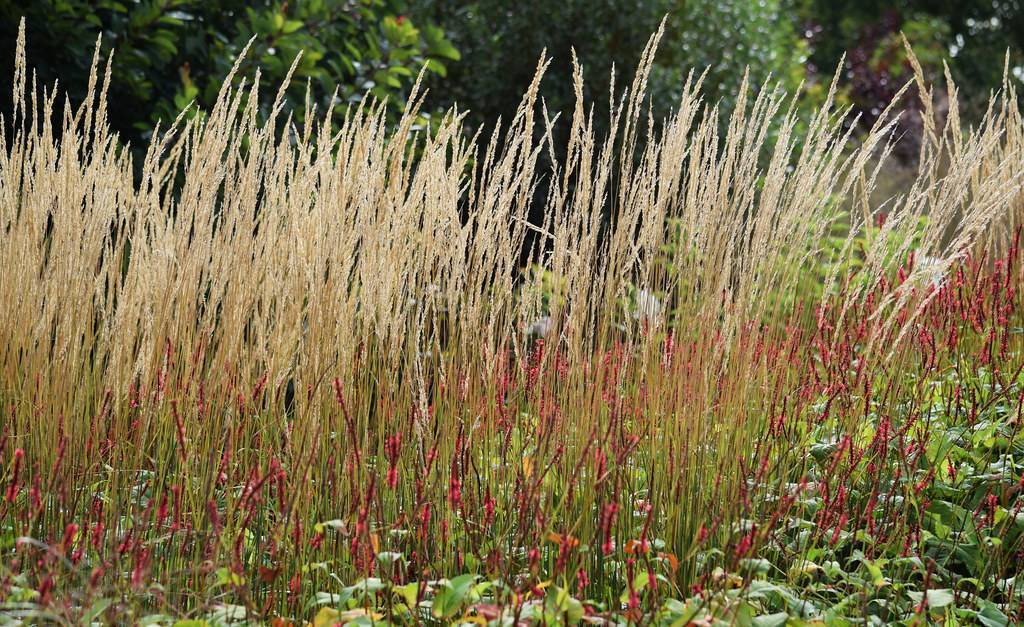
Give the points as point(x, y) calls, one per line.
point(297, 376)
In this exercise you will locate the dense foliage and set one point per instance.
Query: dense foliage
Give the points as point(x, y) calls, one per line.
point(171, 53)
point(482, 54)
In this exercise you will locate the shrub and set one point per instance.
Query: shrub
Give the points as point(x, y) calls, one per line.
point(174, 52)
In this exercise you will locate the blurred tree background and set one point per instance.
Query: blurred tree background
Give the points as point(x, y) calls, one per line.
point(481, 54)
point(501, 42)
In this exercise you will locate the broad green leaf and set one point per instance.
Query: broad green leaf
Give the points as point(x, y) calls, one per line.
point(991, 616)
point(435, 66)
point(937, 598)
point(452, 596)
point(770, 620)
point(408, 592)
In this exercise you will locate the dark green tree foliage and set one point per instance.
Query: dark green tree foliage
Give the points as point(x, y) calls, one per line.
point(169, 53)
point(501, 42)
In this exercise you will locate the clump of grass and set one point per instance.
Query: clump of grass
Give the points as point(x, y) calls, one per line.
point(288, 359)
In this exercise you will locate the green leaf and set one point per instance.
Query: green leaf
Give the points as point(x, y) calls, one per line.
point(435, 66)
point(228, 614)
point(991, 616)
point(875, 572)
point(328, 598)
point(770, 620)
point(368, 586)
point(438, 45)
point(937, 598)
point(387, 558)
point(382, 77)
point(227, 577)
point(758, 566)
point(565, 605)
point(408, 592)
point(448, 601)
